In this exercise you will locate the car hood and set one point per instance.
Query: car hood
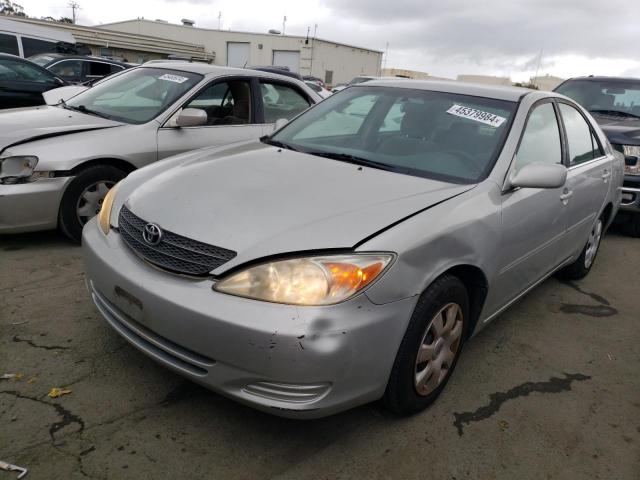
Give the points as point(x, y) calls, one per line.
point(259, 201)
point(623, 131)
point(22, 125)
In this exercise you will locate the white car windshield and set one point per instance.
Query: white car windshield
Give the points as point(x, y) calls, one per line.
point(439, 135)
point(135, 96)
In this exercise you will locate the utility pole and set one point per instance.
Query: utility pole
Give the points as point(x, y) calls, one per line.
point(313, 44)
point(535, 77)
point(284, 21)
point(73, 6)
point(219, 20)
point(386, 54)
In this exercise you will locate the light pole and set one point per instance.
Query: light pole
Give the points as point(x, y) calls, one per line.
point(73, 6)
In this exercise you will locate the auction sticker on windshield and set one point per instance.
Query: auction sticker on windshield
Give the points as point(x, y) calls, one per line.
point(173, 78)
point(477, 115)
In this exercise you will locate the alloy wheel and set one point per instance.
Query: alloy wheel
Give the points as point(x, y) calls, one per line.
point(90, 200)
point(438, 348)
point(592, 244)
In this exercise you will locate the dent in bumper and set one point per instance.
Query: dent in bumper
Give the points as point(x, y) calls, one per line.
point(300, 362)
point(27, 207)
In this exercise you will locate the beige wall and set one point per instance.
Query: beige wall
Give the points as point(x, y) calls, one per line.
point(316, 59)
point(488, 79)
point(546, 82)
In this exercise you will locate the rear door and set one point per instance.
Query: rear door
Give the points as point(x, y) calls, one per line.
point(588, 179)
point(533, 218)
point(230, 105)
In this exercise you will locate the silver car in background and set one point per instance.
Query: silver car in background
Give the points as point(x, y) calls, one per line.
point(58, 162)
point(349, 256)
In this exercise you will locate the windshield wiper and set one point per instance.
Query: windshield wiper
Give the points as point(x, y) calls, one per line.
point(347, 157)
point(83, 109)
point(615, 112)
point(277, 143)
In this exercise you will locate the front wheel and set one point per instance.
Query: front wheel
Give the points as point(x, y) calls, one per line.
point(430, 348)
point(581, 267)
point(84, 196)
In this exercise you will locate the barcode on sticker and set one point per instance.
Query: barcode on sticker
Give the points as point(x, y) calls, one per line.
point(173, 78)
point(477, 115)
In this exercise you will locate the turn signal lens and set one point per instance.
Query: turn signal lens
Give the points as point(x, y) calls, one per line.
point(104, 217)
point(322, 280)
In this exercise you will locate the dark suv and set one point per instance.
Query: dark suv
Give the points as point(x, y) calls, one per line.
point(78, 68)
point(615, 104)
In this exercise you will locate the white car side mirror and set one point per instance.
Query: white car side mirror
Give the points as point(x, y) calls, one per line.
point(191, 117)
point(539, 175)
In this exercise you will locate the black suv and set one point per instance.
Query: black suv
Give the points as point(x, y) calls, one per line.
point(78, 68)
point(615, 104)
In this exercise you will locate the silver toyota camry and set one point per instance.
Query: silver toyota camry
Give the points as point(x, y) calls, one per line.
point(58, 162)
point(348, 257)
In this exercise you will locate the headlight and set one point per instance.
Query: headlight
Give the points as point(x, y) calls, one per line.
point(631, 164)
point(321, 280)
point(104, 217)
point(17, 168)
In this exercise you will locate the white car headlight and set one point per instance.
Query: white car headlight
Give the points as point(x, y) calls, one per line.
point(319, 280)
point(104, 216)
point(17, 167)
point(632, 151)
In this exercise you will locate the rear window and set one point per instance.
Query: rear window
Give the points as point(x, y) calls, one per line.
point(441, 135)
point(33, 46)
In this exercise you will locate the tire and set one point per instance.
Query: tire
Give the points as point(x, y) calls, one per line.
point(632, 226)
point(83, 197)
point(582, 266)
point(413, 385)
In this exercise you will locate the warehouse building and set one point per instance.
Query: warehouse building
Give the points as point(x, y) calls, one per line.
point(330, 61)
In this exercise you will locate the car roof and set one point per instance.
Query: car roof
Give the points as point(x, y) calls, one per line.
point(499, 92)
point(214, 70)
point(593, 78)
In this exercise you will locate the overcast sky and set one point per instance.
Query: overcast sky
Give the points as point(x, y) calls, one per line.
point(441, 37)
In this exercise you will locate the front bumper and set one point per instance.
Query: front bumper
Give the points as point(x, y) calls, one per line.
point(301, 362)
point(630, 194)
point(27, 207)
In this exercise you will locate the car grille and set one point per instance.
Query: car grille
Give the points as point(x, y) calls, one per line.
point(175, 253)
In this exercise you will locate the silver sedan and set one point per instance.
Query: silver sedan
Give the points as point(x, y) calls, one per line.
point(58, 162)
point(349, 256)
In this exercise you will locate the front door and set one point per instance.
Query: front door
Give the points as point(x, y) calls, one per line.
point(231, 118)
point(588, 179)
point(533, 219)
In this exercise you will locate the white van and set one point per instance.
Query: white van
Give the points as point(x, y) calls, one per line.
point(24, 39)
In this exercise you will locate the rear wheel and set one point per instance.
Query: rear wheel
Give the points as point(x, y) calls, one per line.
point(430, 348)
point(84, 196)
point(581, 267)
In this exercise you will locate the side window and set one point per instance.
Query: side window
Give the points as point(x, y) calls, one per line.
point(541, 138)
point(281, 101)
point(9, 44)
point(345, 120)
point(98, 69)
point(226, 103)
point(328, 77)
point(581, 142)
point(67, 69)
point(33, 46)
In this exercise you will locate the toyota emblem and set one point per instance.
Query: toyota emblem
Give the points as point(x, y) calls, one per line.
point(152, 234)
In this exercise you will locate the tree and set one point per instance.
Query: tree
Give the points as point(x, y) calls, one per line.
point(7, 7)
point(64, 20)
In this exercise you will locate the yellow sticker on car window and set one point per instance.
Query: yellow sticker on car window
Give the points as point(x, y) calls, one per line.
point(477, 115)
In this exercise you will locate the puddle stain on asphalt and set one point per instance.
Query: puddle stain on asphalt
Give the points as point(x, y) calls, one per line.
point(603, 310)
point(496, 400)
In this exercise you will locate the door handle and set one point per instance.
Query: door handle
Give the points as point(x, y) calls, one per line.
point(605, 175)
point(566, 195)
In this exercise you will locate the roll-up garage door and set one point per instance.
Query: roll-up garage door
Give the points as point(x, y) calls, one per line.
point(238, 54)
point(287, 58)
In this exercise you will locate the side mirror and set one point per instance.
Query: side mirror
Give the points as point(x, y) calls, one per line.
point(281, 122)
point(191, 117)
point(539, 175)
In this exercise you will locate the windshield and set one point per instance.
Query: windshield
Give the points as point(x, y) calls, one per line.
point(439, 135)
point(137, 95)
point(605, 96)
